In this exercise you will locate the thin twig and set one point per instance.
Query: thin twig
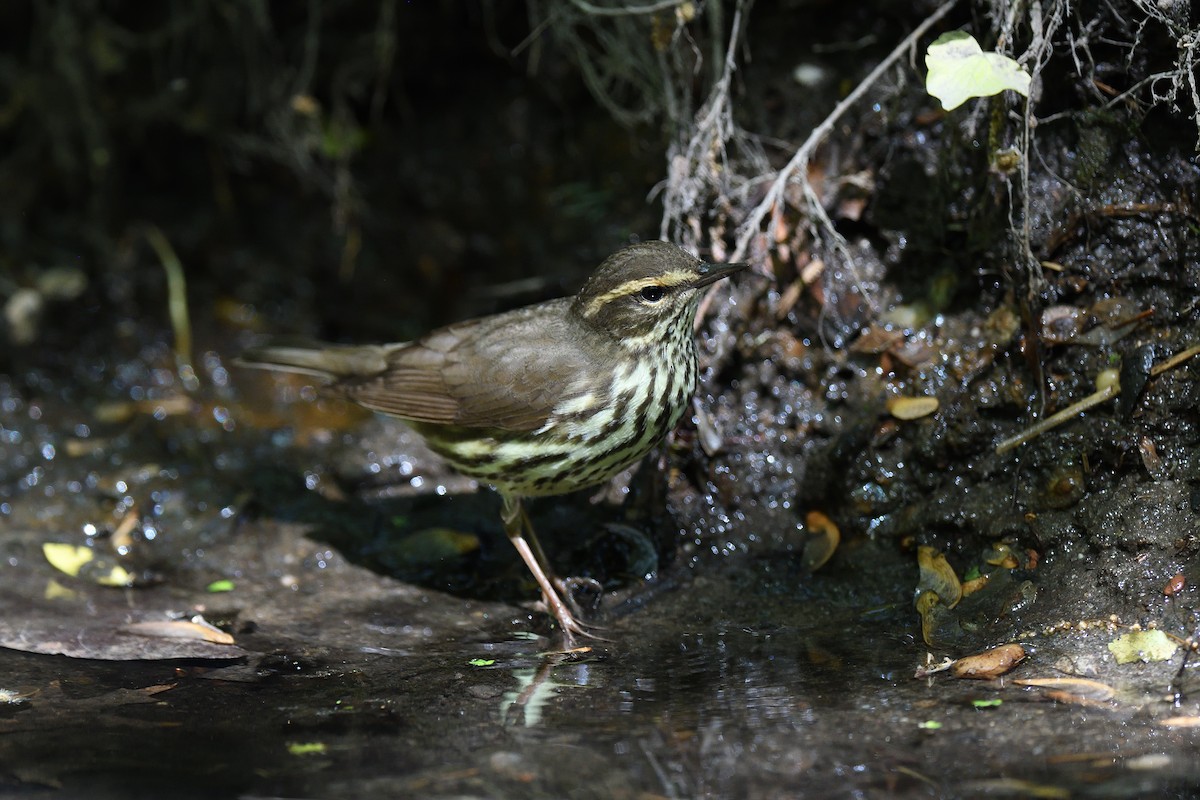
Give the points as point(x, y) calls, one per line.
point(1175, 360)
point(1109, 386)
point(712, 131)
point(625, 11)
point(176, 296)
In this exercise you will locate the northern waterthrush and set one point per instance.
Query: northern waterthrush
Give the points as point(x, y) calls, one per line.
point(542, 400)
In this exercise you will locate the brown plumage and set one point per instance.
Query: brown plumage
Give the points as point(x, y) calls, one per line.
point(544, 399)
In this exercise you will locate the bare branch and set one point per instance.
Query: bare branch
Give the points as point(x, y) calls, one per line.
point(625, 11)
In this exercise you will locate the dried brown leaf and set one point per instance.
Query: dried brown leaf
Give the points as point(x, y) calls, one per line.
point(990, 663)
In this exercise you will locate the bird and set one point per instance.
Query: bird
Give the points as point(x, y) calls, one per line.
point(541, 400)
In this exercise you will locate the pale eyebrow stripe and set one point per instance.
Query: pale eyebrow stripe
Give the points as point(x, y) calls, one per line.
point(669, 279)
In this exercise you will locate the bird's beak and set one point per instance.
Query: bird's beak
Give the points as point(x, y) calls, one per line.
point(711, 273)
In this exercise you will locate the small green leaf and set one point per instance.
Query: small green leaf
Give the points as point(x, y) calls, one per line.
point(222, 585)
point(482, 662)
point(930, 725)
point(342, 139)
point(993, 703)
point(306, 748)
point(959, 69)
point(1142, 646)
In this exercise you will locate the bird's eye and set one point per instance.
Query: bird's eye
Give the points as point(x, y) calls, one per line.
point(652, 294)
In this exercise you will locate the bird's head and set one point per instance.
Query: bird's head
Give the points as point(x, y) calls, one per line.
point(647, 292)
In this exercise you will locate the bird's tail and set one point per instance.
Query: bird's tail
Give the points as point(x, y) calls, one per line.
point(332, 362)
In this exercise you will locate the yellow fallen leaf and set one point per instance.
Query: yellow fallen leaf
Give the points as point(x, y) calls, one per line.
point(912, 407)
point(822, 541)
point(56, 591)
point(67, 558)
point(71, 560)
point(974, 585)
point(116, 576)
point(938, 576)
point(932, 612)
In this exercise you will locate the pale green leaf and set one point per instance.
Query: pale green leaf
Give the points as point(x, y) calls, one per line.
point(1142, 646)
point(959, 70)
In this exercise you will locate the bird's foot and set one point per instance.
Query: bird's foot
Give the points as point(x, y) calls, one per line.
point(569, 626)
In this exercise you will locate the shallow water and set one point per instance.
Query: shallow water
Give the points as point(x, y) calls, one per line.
point(747, 682)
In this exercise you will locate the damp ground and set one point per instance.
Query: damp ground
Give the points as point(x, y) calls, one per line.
point(307, 605)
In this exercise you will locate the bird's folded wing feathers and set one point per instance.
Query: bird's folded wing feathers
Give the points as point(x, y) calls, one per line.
point(467, 376)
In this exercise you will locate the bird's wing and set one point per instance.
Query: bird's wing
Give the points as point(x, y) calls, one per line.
point(506, 372)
